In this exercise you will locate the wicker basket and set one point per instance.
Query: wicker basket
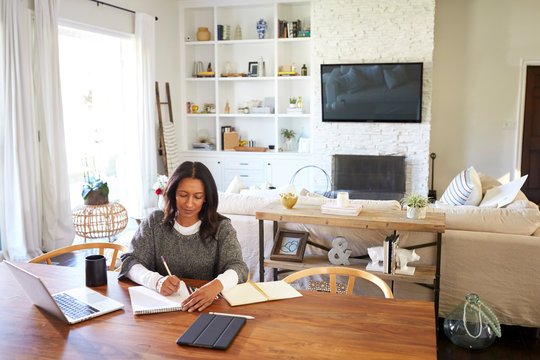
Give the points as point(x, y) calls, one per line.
point(99, 221)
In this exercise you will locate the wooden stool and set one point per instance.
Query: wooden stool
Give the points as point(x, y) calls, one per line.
point(99, 221)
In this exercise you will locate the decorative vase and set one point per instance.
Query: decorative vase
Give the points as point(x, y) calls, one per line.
point(472, 325)
point(95, 197)
point(161, 202)
point(261, 28)
point(416, 213)
point(288, 144)
point(238, 33)
point(203, 34)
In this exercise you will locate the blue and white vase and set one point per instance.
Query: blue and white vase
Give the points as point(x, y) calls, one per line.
point(261, 28)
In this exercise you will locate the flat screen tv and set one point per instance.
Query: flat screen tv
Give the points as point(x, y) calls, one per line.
point(372, 92)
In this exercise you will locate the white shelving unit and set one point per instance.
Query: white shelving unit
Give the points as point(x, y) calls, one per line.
point(263, 129)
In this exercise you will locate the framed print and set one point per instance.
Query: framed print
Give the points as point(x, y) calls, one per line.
point(289, 245)
point(253, 68)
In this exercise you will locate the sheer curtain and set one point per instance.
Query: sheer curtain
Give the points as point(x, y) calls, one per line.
point(34, 206)
point(57, 228)
point(20, 201)
point(142, 153)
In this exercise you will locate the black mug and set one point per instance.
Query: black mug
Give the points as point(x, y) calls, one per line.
point(96, 270)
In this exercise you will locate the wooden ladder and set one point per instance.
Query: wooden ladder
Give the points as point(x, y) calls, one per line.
point(162, 147)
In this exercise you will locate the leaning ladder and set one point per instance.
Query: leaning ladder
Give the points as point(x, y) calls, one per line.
point(167, 137)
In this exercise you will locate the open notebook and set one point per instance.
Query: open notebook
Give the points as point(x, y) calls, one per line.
point(250, 292)
point(148, 301)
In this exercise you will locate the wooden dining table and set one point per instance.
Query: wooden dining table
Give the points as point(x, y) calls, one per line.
point(314, 326)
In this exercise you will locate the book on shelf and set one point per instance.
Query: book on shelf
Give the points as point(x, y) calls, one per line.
point(295, 111)
point(203, 146)
point(389, 254)
point(148, 301)
point(250, 292)
point(333, 209)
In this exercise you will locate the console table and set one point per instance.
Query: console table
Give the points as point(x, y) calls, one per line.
point(367, 219)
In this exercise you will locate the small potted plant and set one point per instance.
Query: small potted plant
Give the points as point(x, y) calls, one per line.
point(288, 135)
point(292, 102)
point(95, 191)
point(416, 205)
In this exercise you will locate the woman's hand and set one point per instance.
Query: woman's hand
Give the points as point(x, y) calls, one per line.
point(168, 285)
point(203, 297)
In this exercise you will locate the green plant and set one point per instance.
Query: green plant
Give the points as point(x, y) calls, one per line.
point(288, 134)
point(292, 100)
point(414, 200)
point(94, 184)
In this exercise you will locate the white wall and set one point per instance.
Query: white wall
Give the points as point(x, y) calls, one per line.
point(167, 29)
point(479, 46)
point(357, 31)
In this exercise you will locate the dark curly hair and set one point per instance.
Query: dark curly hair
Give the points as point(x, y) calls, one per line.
point(208, 215)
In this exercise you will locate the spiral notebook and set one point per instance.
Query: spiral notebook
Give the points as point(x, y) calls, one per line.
point(148, 301)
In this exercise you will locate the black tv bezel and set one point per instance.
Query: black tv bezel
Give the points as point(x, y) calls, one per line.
point(415, 121)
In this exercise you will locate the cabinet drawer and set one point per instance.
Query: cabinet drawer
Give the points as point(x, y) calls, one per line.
point(248, 177)
point(244, 164)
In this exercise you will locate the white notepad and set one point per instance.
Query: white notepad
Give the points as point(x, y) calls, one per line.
point(249, 293)
point(148, 301)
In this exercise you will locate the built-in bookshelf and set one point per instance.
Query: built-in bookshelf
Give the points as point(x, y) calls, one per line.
point(231, 88)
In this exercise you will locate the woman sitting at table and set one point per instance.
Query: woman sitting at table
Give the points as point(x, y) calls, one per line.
point(195, 240)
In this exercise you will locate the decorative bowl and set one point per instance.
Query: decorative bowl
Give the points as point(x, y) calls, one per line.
point(288, 200)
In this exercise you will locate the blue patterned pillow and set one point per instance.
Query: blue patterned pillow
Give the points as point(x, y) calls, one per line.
point(465, 189)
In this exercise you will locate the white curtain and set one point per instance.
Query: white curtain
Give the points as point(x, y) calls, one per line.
point(57, 228)
point(143, 163)
point(20, 188)
point(34, 201)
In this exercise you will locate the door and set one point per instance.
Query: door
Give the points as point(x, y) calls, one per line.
point(530, 156)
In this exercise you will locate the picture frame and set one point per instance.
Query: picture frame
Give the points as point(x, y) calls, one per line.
point(253, 68)
point(289, 245)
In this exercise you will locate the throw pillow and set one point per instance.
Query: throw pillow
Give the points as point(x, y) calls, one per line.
point(465, 189)
point(235, 186)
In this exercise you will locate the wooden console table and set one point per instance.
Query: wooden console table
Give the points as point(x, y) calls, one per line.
point(367, 219)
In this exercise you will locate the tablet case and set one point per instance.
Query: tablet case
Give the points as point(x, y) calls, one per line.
point(212, 331)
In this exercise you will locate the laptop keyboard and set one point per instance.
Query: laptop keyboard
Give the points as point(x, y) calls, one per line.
point(72, 307)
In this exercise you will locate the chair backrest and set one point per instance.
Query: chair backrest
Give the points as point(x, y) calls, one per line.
point(101, 246)
point(345, 271)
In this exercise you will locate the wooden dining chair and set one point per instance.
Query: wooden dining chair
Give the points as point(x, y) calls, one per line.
point(333, 271)
point(98, 245)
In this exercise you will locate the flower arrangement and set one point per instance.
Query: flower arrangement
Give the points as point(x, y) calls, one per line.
point(414, 200)
point(161, 184)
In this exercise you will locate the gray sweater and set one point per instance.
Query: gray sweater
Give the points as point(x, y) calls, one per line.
point(186, 255)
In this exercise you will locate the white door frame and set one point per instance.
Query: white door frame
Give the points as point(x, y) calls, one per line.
point(521, 112)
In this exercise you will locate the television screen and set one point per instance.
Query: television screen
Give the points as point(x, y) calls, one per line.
point(372, 92)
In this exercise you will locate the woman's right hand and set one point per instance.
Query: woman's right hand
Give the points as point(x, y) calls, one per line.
point(168, 285)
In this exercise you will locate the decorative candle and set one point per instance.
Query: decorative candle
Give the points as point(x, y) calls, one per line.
point(342, 199)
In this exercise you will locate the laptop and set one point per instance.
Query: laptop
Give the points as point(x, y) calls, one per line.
point(72, 306)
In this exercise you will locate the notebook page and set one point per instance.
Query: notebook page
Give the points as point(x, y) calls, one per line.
point(277, 290)
point(148, 301)
point(243, 294)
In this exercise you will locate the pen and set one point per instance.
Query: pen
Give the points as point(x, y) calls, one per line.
point(166, 267)
point(235, 315)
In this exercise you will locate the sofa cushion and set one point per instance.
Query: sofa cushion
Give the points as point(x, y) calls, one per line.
point(519, 221)
point(465, 189)
point(230, 203)
point(235, 186)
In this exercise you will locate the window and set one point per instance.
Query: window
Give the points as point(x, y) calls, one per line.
point(97, 71)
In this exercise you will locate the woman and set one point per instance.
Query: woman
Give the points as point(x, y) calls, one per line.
point(194, 239)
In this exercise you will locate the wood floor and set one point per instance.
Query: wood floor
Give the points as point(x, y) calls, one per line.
point(516, 343)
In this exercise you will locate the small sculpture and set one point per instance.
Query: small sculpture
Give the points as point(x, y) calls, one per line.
point(339, 254)
point(403, 256)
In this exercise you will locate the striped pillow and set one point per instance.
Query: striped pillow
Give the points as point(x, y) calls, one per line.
point(465, 189)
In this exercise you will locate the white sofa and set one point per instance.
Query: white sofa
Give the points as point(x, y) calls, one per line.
point(489, 251)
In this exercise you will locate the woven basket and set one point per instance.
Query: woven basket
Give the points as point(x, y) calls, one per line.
point(99, 221)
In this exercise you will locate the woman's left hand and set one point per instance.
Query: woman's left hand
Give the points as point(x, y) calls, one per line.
point(203, 297)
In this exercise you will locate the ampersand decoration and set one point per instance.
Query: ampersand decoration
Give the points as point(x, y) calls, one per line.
point(339, 255)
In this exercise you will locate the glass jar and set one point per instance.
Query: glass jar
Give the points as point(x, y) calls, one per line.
point(472, 325)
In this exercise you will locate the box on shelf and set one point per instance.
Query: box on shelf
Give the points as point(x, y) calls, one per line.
point(230, 140)
point(262, 110)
